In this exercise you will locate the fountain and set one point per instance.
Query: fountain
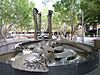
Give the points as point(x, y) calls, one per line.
point(49, 57)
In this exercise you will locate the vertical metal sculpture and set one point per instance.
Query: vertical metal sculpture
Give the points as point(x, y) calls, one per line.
point(39, 22)
point(50, 23)
point(35, 12)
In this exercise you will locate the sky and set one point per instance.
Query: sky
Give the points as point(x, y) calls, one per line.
point(40, 4)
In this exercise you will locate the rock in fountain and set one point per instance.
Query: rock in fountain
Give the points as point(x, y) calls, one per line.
point(43, 55)
point(59, 49)
point(26, 51)
point(33, 62)
point(66, 54)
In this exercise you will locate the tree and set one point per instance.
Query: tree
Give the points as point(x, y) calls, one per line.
point(68, 12)
point(15, 12)
point(91, 9)
point(24, 11)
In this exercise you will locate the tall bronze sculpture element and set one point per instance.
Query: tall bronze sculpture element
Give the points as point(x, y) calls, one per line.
point(35, 12)
point(50, 23)
point(39, 22)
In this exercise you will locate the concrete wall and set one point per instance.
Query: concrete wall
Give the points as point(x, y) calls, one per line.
point(87, 40)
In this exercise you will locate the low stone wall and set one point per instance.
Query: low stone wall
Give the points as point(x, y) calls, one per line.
point(87, 40)
point(10, 46)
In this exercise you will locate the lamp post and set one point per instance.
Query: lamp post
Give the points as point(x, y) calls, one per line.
point(97, 26)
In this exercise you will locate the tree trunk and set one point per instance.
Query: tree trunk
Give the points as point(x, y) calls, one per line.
point(72, 31)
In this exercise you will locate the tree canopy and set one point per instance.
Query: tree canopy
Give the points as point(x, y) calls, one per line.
point(67, 11)
point(70, 11)
point(17, 12)
point(91, 9)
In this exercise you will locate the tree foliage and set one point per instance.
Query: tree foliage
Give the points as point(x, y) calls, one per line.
point(91, 9)
point(70, 11)
point(16, 12)
point(67, 11)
